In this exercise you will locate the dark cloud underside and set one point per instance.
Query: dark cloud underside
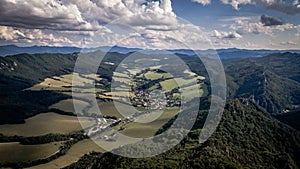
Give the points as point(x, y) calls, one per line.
point(270, 21)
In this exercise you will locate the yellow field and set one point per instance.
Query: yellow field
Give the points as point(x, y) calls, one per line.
point(64, 82)
point(122, 75)
point(72, 156)
point(15, 152)
point(43, 124)
point(50, 84)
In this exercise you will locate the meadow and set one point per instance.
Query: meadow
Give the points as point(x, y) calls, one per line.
point(77, 150)
point(144, 130)
point(43, 124)
point(68, 105)
point(15, 152)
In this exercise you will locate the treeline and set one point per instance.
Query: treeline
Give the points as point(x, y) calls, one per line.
point(48, 138)
point(19, 105)
point(70, 139)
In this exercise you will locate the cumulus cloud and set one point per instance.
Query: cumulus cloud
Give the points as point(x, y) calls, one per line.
point(42, 14)
point(226, 35)
point(278, 5)
point(84, 15)
point(203, 2)
point(10, 34)
point(265, 25)
point(32, 36)
point(270, 21)
point(289, 43)
point(79, 20)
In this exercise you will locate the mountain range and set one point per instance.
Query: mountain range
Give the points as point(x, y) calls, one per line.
point(224, 54)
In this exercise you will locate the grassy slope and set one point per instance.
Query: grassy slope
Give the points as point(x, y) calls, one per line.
point(43, 124)
point(78, 150)
point(15, 152)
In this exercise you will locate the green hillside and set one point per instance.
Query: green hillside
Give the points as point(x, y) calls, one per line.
point(22, 71)
point(246, 78)
point(283, 64)
point(247, 137)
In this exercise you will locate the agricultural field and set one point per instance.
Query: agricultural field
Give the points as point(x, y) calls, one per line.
point(109, 109)
point(68, 105)
point(150, 75)
point(47, 123)
point(77, 150)
point(144, 130)
point(168, 85)
point(15, 152)
point(121, 75)
point(190, 91)
point(43, 124)
point(63, 83)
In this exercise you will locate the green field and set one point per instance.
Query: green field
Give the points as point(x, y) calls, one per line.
point(189, 92)
point(168, 85)
point(43, 124)
point(72, 156)
point(108, 108)
point(68, 105)
point(153, 75)
point(140, 130)
point(15, 152)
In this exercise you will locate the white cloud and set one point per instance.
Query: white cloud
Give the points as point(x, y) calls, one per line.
point(8, 33)
point(84, 15)
point(33, 36)
point(203, 2)
point(153, 24)
point(289, 43)
point(43, 14)
point(278, 5)
point(226, 35)
point(255, 27)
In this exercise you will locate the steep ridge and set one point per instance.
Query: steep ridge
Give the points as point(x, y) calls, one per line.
point(248, 79)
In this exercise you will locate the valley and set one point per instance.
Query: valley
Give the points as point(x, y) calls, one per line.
point(57, 134)
point(63, 119)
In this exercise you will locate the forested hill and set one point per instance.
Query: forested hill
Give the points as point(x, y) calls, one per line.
point(23, 71)
point(272, 80)
point(247, 137)
point(284, 64)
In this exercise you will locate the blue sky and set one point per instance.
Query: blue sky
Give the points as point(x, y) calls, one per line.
point(164, 24)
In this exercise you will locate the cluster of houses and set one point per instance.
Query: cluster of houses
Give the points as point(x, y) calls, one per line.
point(157, 100)
point(149, 100)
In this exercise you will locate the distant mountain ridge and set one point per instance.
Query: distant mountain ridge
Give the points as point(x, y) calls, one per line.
point(224, 54)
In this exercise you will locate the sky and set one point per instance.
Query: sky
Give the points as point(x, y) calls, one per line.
point(152, 24)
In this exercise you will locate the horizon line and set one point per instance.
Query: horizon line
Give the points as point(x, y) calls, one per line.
point(149, 48)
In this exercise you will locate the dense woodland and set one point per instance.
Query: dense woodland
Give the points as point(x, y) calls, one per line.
point(248, 137)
